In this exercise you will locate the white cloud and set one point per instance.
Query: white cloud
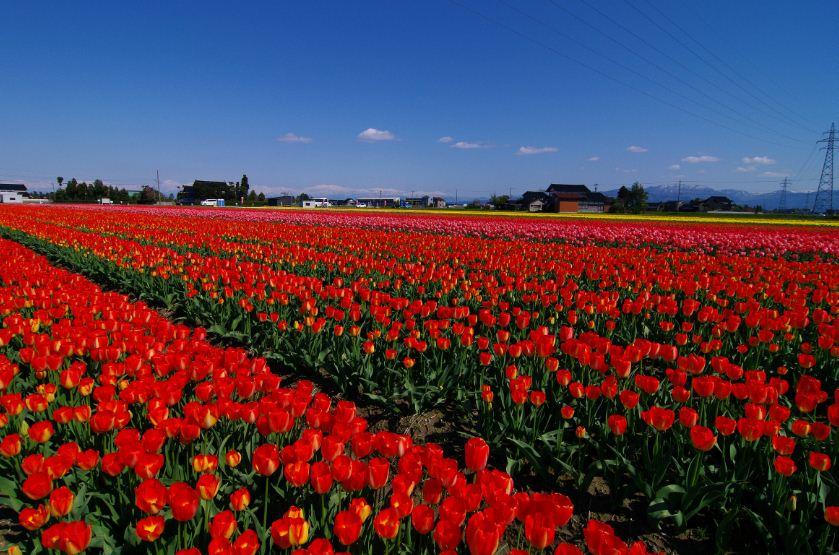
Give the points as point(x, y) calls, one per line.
point(337, 191)
point(775, 174)
point(373, 135)
point(524, 150)
point(636, 149)
point(467, 145)
point(293, 138)
point(170, 185)
point(446, 140)
point(745, 169)
point(700, 159)
point(758, 160)
point(328, 189)
point(593, 158)
point(674, 167)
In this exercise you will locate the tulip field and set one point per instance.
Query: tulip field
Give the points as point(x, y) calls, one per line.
point(185, 380)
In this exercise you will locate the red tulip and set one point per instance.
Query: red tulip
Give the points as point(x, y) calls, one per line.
point(477, 454)
point(223, 525)
point(386, 524)
point(482, 534)
point(37, 486)
point(378, 471)
point(150, 528)
point(232, 458)
point(240, 499)
point(347, 527)
point(784, 466)
point(688, 417)
point(617, 424)
point(61, 501)
point(184, 501)
point(266, 459)
point(831, 515)
point(296, 473)
point(70, 537)
point(447, 534)
point(41, 432)
point(10, 446)
point(33, 519)
point(659, 418)
point(320, 477)
point(246, 544)
point(725, 425)
point(208, 486)
point(702, 438)
point(820, 461)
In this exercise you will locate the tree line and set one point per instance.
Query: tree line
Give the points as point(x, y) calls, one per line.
point(233, 193)
point(76, 191)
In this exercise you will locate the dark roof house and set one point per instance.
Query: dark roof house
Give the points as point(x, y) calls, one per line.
point(717, 202)
point(563, 188)
point(13, 187)
point(283, 200)
point(576, 198)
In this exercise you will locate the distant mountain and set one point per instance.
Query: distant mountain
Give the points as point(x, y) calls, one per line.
point(769, 201)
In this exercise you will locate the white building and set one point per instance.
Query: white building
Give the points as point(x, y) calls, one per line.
point(317, 203)
point(7, 197)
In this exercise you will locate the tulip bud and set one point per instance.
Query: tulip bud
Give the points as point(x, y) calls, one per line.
point(240, 499)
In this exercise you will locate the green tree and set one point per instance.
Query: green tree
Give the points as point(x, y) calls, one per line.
point(638, 198)
point(499, 201)
point(633, 199)
point(147, 196)
point(244, 187)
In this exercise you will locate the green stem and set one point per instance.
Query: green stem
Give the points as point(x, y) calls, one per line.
point(265, 513)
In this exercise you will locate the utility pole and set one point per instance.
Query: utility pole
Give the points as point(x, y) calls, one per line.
point(455, 196)
point(824, 195)
point(782, 201)
point(679, 195)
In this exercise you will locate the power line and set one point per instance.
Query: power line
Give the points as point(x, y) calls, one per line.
point(703, 58)
point(612, 78)
point(641, 39)
point(823, 204)
point(664, 181)
point(806, 162)
point(754, 67)
point(782, 199)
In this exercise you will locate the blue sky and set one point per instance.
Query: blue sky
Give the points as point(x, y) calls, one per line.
point(348, 97)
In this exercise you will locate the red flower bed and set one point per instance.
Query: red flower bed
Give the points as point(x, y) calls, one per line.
point(696, 366)
point(122, 428)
